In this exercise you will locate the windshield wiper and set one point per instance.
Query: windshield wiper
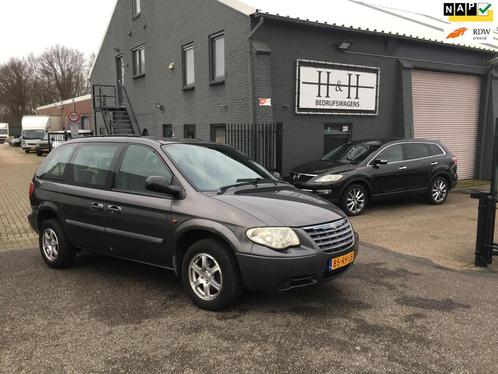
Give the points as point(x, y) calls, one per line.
point(247, 182)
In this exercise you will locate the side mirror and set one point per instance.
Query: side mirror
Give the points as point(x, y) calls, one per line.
point(161, 185)
point(378, 162)
point(277, 175)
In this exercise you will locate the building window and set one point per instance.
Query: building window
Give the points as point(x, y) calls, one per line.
point(217, 53)
point(188, 66)
point(218, 133)
point(167, 131)
point(189, 131)
point(137, 7)
point(85, 122)
point(138, 55)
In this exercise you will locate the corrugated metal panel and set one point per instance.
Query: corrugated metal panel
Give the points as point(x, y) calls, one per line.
point(446, 107)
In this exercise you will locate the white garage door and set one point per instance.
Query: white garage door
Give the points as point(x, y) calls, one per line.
point(446, 107)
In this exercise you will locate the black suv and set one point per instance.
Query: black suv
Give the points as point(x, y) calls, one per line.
point(358, 172)
point(220, 221)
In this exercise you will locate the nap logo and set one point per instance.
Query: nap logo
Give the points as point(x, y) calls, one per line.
point(469, 12)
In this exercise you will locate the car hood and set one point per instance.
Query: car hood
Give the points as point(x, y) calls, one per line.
point(322, 166)
point(282, 206)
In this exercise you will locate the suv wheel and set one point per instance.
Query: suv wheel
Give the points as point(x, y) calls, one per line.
point(54, 247)
point(354, 200)
point(438, 191)
point(210, 275)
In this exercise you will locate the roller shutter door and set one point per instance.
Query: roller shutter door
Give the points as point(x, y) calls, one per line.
point(446, 107)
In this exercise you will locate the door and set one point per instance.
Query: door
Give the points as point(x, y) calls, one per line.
point(84, 198)
point(335, 135)
point(388, 179)
point(446, 108)
point(139, 221)
point(218, 133)
point(417, 168)
point(120, 78)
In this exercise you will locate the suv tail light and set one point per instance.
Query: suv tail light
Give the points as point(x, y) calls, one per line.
point(31, 189)
point(455, 159)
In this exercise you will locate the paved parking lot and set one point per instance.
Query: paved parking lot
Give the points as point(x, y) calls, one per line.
point(391, 313)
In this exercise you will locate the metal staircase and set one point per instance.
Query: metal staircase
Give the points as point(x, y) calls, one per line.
point(117, 118)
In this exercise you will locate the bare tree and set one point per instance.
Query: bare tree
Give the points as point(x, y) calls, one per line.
point(64, 72)
point(15, 89)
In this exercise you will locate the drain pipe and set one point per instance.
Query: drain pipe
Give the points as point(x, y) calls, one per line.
point(251, 72)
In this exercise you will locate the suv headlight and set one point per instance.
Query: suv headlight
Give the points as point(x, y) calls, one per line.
point(328, 178)
point(274, 237)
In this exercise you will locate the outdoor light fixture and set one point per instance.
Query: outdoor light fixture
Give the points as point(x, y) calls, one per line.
point(160, 107)
point(344, 45)
point(171, 66)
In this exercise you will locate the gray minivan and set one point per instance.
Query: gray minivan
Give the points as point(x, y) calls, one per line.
point(220, 221)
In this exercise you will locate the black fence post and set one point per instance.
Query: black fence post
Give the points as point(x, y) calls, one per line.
point(279, 147)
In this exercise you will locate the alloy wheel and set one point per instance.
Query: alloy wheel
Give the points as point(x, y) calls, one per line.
point(439, 191)
point(205, 276)
point(355, 200)
point(50, 243)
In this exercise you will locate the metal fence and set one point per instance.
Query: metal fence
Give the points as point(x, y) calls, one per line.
point(57, 138)
point(260, 142)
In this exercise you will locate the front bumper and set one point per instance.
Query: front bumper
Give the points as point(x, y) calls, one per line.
point(263, 273)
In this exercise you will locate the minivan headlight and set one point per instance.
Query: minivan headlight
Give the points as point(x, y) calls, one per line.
point(328, 178)
point(274, 237)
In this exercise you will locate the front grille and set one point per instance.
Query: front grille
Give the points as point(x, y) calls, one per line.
point(333, 236)
point(298, 178)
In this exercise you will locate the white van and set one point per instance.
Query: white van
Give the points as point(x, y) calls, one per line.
point(36, 128)
point(4, 132)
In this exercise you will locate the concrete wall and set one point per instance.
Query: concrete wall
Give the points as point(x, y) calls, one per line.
point(164, 27)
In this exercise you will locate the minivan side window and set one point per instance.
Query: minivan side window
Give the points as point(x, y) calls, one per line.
point(414, 151)
point(55, 164)
point(139, 163)
point(393, 153)
point(92, 164)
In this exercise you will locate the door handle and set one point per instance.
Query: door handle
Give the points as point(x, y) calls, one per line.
point(114, 209)
point(97, 206)
point(403, 168)
point(434, 163)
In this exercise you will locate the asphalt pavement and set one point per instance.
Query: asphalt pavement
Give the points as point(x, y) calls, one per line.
point(391, 313)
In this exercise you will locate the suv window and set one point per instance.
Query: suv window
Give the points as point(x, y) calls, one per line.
point(414, 151)
point(394, 153)
point(435, 150)
point(55, 164)
point(139, 163)
point(92, 165)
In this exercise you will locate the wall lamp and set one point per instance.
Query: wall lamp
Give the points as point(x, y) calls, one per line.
point(344, 45)
point(160, 107)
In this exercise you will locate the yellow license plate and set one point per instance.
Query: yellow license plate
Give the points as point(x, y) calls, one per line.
point(340, 262)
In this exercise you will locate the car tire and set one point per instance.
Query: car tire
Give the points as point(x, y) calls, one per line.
point(55, 249)
point(354, 200)
point(438, 191)
point(26, 150)
point(210, 275)
point(39, 152)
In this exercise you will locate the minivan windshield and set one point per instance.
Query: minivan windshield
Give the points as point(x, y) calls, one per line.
point(352, 153)
point(210, 167)
point(33, 134)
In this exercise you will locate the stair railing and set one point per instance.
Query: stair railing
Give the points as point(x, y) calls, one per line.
point(131, 113)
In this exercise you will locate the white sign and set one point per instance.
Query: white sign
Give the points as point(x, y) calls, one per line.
point(73, 116)
point(263, 101)
point(328, 88)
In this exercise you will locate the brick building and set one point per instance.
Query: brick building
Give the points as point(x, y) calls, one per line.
point(207, 68)
point(81, 105)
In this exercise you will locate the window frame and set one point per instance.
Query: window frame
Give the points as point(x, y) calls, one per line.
point(214, 80)
point(112, 169)
point(185, 48)
point(137, 50)
point(371, 162)
point(136, 11)
point(119, 164)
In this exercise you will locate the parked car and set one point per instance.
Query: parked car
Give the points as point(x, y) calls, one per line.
point(358, 172)
point(15, 142)
point(43, 146)
point(222, 222)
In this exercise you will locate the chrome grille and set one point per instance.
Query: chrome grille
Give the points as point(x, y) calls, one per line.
point(333, 236)
point(299, 178)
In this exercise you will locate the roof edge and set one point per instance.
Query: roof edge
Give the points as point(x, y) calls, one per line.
point(239, 6)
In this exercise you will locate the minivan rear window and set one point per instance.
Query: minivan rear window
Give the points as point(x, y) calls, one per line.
point(92, 164)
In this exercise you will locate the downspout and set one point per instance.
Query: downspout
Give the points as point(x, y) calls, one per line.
point(485, 121)
point(251, 72)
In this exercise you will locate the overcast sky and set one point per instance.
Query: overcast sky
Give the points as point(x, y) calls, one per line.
point(30, 26)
